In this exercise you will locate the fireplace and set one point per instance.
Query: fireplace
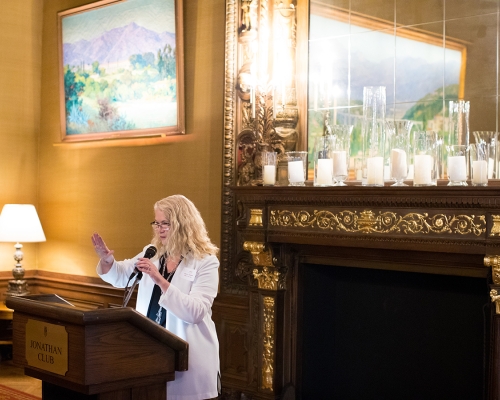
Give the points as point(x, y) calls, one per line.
point(369, 334)
point(359, 292)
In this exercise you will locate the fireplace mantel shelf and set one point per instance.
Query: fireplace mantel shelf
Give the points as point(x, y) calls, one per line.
point(439, 218)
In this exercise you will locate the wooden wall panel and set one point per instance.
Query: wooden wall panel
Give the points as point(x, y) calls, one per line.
point(83, 292)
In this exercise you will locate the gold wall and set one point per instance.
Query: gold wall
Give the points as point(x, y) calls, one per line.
point(112, 189)
point(20, 81)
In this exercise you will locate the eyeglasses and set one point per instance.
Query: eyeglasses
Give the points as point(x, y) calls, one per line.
point(162, 225)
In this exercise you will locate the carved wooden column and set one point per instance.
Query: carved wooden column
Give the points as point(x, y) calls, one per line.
point(270, 293)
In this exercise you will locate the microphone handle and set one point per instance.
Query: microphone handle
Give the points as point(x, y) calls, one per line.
point(128, 293)
point(135, 272)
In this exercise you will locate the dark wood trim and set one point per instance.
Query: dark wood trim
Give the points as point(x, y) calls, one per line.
point(82, 291)
point(436, 230)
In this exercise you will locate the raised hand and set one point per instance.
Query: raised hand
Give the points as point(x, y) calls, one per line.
point(105, 254)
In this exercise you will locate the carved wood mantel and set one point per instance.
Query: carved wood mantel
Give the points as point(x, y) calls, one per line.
point(438, 230)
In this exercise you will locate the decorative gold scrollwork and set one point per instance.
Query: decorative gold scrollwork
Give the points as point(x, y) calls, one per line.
point(368, 221)
point(260, 256)
point(255, 217)
point(268, 344)
point(493, 261)
point(267, 275)
point(268, 278)
point(495, 229)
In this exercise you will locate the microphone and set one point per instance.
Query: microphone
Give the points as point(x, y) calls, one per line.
point(150, 253)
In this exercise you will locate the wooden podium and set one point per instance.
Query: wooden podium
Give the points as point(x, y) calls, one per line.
point(104, 354)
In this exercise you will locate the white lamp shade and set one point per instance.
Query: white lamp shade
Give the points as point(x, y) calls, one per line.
point(20, 223)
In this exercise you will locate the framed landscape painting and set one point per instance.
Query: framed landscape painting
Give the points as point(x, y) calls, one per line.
point(121, 70)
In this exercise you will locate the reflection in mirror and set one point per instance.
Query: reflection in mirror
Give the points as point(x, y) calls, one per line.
point(424, 53)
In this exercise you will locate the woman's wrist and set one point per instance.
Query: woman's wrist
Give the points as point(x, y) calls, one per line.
point(164, 286)
point(107, 261)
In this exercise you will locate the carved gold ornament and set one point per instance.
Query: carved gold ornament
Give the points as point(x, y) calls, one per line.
point(267, 279)
point(493, 262)
point(368, 221)
point(260, 256)
point(267, 275)
point(495, 229)
point(255, 217)
point(268, 345)
point(495, 298)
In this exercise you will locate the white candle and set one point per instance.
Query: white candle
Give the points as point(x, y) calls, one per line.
point(479, 172)
point(422, 169)
point(339, 163)
point(375, 171)
point(491, 167)
point(399, 167)
point(324, 171)
point(269, 175)
point(456, 168)
point(296, 171)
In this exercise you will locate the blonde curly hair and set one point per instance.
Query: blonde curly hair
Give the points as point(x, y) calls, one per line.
point(188, 232)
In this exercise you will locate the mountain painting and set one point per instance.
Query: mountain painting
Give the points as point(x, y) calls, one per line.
point(119, 69)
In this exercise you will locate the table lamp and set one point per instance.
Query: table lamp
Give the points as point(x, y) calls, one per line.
point(19, 223)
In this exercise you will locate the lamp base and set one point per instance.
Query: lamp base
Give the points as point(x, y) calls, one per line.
point(17, 287)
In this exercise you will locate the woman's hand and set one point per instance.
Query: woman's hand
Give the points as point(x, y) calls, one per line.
point(146, 266)
point(105, 254)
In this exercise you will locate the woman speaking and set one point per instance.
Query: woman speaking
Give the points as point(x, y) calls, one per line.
point(177, 290)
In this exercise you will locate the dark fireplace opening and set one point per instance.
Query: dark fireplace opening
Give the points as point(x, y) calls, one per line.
point(377, 334)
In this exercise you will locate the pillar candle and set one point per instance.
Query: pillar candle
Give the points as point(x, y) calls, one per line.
point(399, 167)
point(375, 171)
point(339, 163)
point(457, 168)
point(324, 170)
point(491, 167)
point(296, 171)
point(422, 170)
point(479, 172)
point(269, 175)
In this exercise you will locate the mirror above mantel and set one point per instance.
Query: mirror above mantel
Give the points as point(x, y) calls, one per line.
point(282, 56)
point(426, 53)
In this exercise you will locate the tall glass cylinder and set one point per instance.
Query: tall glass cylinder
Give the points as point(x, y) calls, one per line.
point(479, 155)
point(323, 162)
point(341, 152)
point(373, 135)
point(491, 139)
point(425, 158)
point(458, 165)
point(458, 131)
point(398, 133)
point(459, 123)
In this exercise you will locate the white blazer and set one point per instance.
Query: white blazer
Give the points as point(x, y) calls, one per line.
point(188, 303)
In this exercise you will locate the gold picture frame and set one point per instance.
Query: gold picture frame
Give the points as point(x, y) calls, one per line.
point(121, 70)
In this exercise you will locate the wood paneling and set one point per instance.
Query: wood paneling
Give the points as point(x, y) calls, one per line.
point(85, 292)
point(435, 230)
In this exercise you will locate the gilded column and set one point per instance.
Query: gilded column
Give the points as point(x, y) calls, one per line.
point(270, 289)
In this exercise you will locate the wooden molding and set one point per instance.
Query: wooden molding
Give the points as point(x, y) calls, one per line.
point(82, 291)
